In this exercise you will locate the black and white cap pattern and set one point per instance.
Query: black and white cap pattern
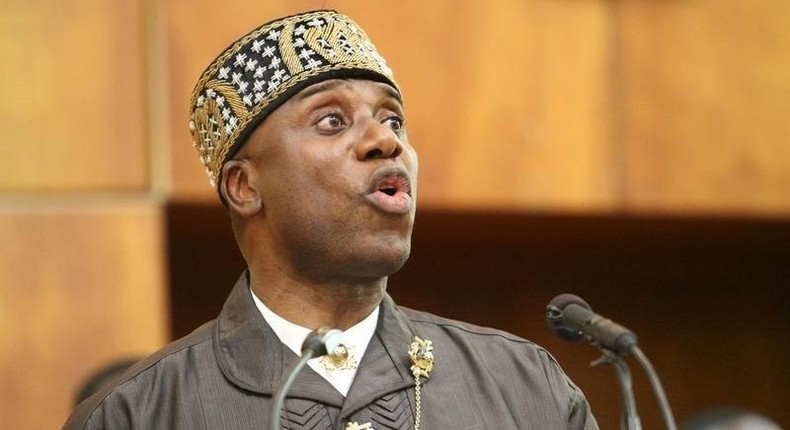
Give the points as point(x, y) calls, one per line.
point(265, 68)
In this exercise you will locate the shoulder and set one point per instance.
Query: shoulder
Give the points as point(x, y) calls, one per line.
point(468, 344)
point(501, 362)
point(148, 379)
point(173, 354)
point(469, 334)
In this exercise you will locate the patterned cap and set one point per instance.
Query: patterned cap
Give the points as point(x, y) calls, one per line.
point(263, 69)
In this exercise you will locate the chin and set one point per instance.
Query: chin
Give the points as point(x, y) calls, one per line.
point(397, 264)
point(383, 263)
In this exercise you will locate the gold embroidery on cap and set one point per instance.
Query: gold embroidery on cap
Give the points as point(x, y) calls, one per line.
point(210, 128)
point(287, 50)
point(327, 42)
point(207, 128)
point(256, 70)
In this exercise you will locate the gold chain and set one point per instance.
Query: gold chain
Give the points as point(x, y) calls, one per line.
point(421, 354)
point(417, 403)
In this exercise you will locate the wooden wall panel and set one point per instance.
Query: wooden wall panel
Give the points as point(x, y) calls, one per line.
point(706, 98)
point(80, 285)
point(708, 297)
point(73, 91)
point(506, 101)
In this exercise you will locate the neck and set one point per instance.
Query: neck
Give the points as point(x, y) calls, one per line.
point(309, 304)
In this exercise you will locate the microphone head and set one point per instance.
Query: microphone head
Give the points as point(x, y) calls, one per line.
point(321, 341)
point(566, 299)
point(555, 316)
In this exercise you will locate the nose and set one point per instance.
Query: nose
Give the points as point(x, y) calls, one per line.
point(378, 141)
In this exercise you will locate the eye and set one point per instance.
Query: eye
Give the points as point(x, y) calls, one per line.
point(331, 122)
point(395, 122)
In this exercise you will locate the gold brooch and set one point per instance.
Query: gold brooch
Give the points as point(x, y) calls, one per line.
point(356, 426)
point(342, 358)
point(421, 354)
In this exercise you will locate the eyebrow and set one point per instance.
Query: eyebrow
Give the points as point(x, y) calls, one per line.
point(319, 88)
point(392, 92)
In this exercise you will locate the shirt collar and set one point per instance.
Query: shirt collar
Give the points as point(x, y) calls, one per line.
point(292, 335)
point(355, 340)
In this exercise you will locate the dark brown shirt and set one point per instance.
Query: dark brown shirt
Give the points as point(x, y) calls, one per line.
point(223, 376)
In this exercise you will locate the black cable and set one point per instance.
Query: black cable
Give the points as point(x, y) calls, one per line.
point(658, 389)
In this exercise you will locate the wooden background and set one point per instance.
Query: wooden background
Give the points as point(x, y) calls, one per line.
point(636, 152)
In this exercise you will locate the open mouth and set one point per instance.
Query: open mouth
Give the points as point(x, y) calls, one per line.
point(392, 185)
point(390, 191)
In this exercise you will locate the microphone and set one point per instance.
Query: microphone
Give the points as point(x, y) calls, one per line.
point(317, 343)
point(322, 341)
point(571, 318)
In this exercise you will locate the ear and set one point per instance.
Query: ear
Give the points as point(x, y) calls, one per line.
point(239, 189)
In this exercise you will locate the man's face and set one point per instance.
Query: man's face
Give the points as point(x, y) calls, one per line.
point(338, 180)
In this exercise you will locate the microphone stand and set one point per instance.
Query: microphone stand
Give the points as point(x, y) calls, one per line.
point(317, 343)
point(572, 318)
point(658, 389)
point(285, 385)
point(630, 419)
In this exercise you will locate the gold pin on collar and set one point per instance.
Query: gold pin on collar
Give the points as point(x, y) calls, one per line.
point(342, 358)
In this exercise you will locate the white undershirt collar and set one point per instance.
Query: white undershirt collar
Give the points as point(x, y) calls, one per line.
point(292, 335)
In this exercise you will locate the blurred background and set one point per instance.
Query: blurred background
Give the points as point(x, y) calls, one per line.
point(633, 152)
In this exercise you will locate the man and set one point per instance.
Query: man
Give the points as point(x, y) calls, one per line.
point(300, 126)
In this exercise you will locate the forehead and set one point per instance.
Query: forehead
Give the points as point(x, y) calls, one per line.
point(348, 86)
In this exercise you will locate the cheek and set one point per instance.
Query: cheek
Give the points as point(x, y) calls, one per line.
point(314, 178)
point(409, 155)
point(308, 192)
point(412, 163)
point(294, 170)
